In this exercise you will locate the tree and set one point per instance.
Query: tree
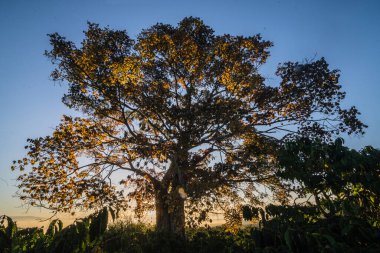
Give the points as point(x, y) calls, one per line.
point(342, 181)
point(184, 112)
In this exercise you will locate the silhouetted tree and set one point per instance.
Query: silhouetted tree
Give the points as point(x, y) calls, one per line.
point(161, 108)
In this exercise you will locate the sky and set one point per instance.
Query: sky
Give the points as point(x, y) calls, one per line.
point(345, 32)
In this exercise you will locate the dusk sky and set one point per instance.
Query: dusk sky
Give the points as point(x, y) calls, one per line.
point(346, 33)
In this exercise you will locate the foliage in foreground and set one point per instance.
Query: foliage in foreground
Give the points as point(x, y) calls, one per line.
point(289, 229)
point(333, 235)
point(84, 235)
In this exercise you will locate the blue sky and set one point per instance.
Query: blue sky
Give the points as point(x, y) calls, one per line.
point(346, 33)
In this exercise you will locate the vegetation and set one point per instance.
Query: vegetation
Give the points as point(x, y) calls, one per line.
point(289, 229)
point(342, 181)
point(82, 236)
point(186, 114)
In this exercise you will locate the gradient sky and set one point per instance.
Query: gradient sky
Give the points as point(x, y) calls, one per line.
point(346, 33)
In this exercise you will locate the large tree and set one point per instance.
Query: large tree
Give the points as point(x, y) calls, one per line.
point(184, 112)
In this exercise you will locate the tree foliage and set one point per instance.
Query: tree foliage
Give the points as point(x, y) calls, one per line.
point(342, 181)
point(184, 112)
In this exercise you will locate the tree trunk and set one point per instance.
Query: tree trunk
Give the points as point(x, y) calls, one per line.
point(170, 213)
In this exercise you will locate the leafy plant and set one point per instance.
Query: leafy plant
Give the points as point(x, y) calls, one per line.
point(85, 235)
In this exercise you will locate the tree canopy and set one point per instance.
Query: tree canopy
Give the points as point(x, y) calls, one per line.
point(342, 181)
point(185, 113)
